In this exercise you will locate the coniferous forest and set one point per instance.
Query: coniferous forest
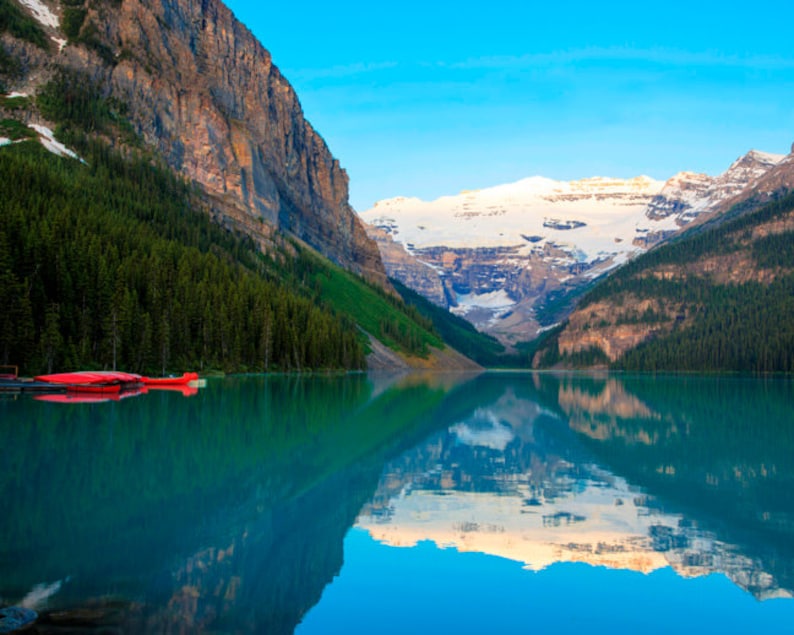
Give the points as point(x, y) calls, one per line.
point(107, 264)
point(745, 326)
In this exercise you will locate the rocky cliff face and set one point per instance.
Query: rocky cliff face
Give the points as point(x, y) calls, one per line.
point(408, 269)
point(773, 182)
point(205, 94)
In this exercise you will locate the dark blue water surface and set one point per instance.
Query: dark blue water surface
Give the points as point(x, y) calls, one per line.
point(504, 503)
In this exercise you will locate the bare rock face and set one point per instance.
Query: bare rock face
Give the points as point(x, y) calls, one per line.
point(204, 92)
point(411, 271)
point(779, 179)
point(615, 329)
point(225, 115)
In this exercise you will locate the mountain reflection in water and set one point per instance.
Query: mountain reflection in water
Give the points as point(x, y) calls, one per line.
point(228, 512)
point(690, 473)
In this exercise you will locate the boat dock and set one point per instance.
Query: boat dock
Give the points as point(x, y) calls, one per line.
point(29, 385)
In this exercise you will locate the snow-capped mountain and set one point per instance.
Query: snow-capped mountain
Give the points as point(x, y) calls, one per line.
point(687, 195)
point(496, 255)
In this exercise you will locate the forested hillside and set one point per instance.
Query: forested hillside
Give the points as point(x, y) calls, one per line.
point(721, 298)
point(113, 261)
point(107, 264)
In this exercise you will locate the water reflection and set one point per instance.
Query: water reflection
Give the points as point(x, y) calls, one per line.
point(689, 473)
point(223, 512)
point(228, 511)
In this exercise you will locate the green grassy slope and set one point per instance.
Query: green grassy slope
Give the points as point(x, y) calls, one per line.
point(376, 311)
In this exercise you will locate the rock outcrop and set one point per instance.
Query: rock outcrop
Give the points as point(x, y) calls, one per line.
point(689, 197)
point(205, 94)
point(408, 269)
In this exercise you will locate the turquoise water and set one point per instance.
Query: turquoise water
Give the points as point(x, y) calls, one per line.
point(502, 502)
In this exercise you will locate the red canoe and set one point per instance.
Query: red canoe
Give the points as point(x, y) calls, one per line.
point(185, 379)
point(89, 377)
point(90, 381)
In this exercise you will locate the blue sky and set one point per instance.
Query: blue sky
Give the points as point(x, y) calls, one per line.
point(426, 99)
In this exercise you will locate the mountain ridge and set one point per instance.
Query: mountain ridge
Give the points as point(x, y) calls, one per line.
point(718, 298)
point(537, 241)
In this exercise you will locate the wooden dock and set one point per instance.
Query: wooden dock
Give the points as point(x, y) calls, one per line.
point(29, 385)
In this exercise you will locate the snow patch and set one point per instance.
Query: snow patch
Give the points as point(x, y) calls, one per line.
point(42, 13)
point(767, 157)
point(60, 42)
point(48, 140)
point(15, 94)
point(5, 142)
point(503, 216)
point(495, 300)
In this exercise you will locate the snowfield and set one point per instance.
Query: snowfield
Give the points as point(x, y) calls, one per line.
point(48, 140)
point(530, 213)
point(42, 13)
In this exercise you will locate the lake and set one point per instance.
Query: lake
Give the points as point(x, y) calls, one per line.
point(499, 502)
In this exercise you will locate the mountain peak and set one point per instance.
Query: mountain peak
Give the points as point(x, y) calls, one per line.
point(757, 157)
point(535, 238)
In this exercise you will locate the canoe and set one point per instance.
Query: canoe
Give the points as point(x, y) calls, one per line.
point(87, 377)
point(185, 379)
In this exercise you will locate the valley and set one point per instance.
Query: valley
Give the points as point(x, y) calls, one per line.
point(512, 258)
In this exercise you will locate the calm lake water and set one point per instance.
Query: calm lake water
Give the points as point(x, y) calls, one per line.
point(498, 503)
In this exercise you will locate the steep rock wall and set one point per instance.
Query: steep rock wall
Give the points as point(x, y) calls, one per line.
point(205, 93)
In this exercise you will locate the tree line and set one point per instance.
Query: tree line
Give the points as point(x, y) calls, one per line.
point(739, 327)
point(108, 264)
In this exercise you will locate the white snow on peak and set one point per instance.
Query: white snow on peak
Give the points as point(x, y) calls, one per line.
point(41, 12)
point(592, 216)
point(752, 158)
point(766, 157)
point(48, 140)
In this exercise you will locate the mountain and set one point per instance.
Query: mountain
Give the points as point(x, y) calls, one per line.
point(201, 90)
point(155, 117)
point(720, 297)
point(510, 258)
